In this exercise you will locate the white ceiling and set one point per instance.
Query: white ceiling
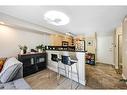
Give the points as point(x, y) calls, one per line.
point(83, 19)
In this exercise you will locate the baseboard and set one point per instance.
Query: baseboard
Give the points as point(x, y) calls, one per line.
point(116, 67)
point(105, 63)
point(83, 82)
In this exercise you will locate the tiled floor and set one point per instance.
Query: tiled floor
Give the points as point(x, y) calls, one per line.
point(103, 76)
point(41, 80)
point(100, 76)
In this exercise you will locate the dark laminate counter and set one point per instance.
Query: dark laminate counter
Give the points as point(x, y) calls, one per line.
point(67, 50)
point(63, 48)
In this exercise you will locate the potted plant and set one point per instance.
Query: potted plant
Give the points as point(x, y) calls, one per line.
point(40, 48)
point(23, 49)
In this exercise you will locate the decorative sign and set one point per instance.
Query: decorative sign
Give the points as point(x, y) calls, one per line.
point(90, 43)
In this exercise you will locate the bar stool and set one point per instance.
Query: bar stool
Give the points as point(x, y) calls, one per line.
point(57, 58)
point(73, 60)
point(54, 58)
point(69, 59)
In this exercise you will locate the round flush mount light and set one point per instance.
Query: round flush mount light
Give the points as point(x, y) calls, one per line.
point(56, 18)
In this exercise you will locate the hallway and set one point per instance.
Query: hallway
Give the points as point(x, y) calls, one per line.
point(103, 76)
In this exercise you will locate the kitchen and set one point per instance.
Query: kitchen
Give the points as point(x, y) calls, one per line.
point(68, 43)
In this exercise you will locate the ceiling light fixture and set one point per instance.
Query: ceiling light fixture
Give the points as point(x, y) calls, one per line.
point(56, 18)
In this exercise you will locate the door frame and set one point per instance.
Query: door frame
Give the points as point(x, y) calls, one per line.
point(118, 49)
point(118, 32)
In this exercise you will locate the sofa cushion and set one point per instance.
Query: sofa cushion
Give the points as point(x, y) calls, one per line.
point(21, 84)
point(10, 69)
point(9, 85)
point(1, 86)
point(16, 84)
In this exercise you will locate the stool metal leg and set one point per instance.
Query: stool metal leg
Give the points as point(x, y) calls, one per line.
point(77, 75)
point(49, 74)
point(58, 71)
point(71, 77)
point(58, 74)
point(68, 72)
point(65, 75)
point(65, 71)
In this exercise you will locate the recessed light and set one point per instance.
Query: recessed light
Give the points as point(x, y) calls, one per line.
point(56, 18)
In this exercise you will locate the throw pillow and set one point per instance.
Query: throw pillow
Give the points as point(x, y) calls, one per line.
point(2, 61)
point(10, 69)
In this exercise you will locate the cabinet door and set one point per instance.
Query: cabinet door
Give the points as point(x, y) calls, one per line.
point(29, 70)
point(26, 60)
point(41, 62)
point(56, 40)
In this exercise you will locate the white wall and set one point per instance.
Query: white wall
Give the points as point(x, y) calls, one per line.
point(10, 38)
point(105, 53)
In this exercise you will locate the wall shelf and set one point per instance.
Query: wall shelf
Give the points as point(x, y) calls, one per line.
point(90, 58)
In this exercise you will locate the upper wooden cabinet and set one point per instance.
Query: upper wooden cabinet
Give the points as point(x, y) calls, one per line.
point(68, 39)
point(56, 39)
